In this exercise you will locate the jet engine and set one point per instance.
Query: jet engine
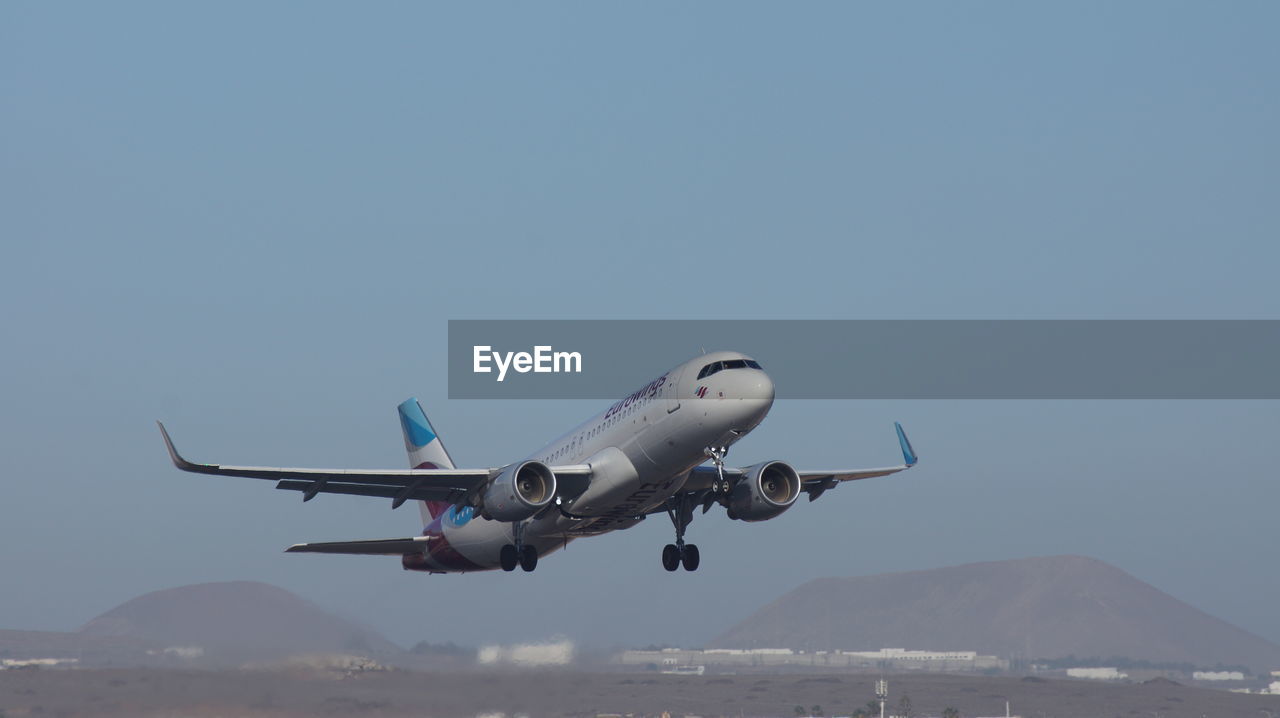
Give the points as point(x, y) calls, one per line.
point(766, 491)
point(520, 491)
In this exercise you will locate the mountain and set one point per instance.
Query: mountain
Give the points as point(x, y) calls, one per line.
point(1050, 607)
point(235, 621)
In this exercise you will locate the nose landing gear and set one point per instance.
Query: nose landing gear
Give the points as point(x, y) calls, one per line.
point(518, 554)
point(680, 510)
point(717, 454)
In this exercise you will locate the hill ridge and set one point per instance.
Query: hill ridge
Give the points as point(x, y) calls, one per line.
point(1036, 607)
point(235, 620)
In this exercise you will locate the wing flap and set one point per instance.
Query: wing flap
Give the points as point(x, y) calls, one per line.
point(813, 482)
point(853, 475)
point(462, 479)
point(399, 485)
point(423, 493)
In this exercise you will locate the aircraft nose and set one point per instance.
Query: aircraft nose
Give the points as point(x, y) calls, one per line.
point(754, 391)
point(758, 387)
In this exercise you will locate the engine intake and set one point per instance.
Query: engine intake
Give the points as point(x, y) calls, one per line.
point(520, 491)
point(766, 491)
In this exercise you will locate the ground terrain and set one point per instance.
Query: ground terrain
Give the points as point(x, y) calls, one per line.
point(145, 692)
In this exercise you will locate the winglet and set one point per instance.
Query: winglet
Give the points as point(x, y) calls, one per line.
point(177, 459)
point(908, 454)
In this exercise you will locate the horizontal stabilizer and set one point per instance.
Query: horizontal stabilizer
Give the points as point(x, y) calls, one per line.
point(374, 547)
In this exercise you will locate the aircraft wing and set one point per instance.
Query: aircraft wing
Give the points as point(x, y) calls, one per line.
point(815, 482)
point(399, 485)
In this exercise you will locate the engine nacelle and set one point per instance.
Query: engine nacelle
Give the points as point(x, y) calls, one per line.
point(767, 490)
point(520, 491)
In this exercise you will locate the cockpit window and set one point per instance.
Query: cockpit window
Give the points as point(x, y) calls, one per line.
point(716, 366)
point(709, 369)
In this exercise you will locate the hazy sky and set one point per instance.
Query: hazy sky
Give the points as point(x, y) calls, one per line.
point(253, 221)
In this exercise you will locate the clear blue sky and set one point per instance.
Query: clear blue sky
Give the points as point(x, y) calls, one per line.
point(253, 221)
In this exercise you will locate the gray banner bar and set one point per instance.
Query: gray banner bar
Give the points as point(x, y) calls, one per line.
point(885, 359)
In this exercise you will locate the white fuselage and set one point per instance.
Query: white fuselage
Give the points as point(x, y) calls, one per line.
point(640, 449)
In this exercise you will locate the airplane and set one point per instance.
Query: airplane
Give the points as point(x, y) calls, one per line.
point(645, 454)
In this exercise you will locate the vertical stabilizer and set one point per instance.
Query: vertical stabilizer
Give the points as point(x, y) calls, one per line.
point(426, 451)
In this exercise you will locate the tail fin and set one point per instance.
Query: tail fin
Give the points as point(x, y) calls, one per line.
point(425, 450)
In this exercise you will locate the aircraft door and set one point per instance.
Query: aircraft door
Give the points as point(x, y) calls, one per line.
point(671, 391)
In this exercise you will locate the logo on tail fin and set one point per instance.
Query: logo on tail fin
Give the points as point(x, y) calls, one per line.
point(417, 430)
point(425, 449)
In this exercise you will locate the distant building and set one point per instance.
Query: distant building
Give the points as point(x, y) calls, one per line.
point(187, 652)
point(1097, 674)
point(900, 658)
point(10, 663)
point(902, 654)
point(528, 654)
point(341, 663)
point(1218, 676)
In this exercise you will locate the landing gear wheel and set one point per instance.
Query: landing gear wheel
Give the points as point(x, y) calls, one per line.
point(690, 559)
point(670, 557)
point(528, 557)
point(680, 511)
point(508, 558)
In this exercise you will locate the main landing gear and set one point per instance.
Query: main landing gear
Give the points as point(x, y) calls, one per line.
point(680, 509)
point(519, 553)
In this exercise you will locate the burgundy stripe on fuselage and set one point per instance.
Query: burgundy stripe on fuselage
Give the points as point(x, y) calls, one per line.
point(447, 556)
point(439, 548)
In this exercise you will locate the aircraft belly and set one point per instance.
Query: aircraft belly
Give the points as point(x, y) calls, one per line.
point(614, 478)
point(476, 544)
